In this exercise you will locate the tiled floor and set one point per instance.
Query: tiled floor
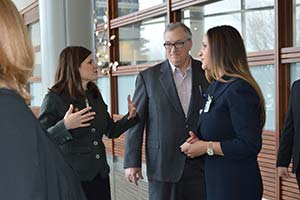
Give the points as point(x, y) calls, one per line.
point(121, 189)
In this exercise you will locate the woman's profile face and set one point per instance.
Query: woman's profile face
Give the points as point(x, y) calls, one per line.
point(88, 69)
point(204, 54)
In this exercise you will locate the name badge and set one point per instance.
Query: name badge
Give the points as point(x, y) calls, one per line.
point(207, 104)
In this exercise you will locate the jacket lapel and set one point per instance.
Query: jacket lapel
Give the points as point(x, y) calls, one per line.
point(195, 93)
point(168, 85)
point(199, 86)
point(219, 87)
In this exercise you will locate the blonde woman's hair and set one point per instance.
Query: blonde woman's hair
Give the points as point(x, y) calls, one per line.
point(16, 54)
point(228, 55)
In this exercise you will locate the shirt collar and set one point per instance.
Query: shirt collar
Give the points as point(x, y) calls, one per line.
point(175, 69)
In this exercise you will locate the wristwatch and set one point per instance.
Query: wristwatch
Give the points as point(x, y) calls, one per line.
point(210, 150)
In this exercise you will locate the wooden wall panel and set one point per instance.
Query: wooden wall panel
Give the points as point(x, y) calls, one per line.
point(267, 160)
point(119, 144)
point(289, 188)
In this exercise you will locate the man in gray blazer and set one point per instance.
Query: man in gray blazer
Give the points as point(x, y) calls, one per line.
point(167, 98)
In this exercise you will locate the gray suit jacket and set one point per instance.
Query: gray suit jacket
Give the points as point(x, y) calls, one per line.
point(160, 110)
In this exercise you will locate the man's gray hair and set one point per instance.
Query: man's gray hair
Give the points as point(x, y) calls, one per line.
point(174, 25)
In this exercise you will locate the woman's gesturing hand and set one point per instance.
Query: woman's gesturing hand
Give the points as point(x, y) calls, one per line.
point(78, 119)
point(131, 108)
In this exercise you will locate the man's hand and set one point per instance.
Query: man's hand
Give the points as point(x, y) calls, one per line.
point(133, 175)
point(283, 172)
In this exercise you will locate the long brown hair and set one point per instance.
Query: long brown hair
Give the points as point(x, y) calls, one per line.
point(228, 54)
point(16, 53)
point(67, 78)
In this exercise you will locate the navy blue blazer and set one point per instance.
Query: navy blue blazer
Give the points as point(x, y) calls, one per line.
point(233, 119)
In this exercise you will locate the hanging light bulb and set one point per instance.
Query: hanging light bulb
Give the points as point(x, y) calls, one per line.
point(105, 18)
point(103, 43)
point(112, 37)
point(115, 65)
point(105, 26)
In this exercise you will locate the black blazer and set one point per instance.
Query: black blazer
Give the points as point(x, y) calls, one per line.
point(289, 147)
point(160, 110)
point(32, 167)
point(82, 147)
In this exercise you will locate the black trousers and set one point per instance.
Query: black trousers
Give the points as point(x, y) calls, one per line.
point(191, 185)
point(97, 189)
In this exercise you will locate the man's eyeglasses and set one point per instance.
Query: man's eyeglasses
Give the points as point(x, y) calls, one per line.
point(177, 45)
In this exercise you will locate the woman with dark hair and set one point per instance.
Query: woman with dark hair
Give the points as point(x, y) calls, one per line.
point(231, 122)
point(32, 167)
point(76, 118)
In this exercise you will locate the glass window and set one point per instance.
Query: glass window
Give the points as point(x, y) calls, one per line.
point(222, 6)
point(259, 33)
point(102, 48)
point(297, 23)
point(100, 8)
point(35, 33)
point(37, 64)
point(255, 25)
point(258, 3)
point(36, 93)
point(199, 27)
point(193, 18)
point(295, 72)
point(265, 77)
point(126, 86)
point(229, 19)
point(142, 42)
point(103, 84)
point(126, 7)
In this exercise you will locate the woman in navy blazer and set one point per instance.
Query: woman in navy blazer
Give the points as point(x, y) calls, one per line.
point(231, 122)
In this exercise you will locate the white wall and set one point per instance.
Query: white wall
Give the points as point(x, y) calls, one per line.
point(21, 4)
point(63, 23)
